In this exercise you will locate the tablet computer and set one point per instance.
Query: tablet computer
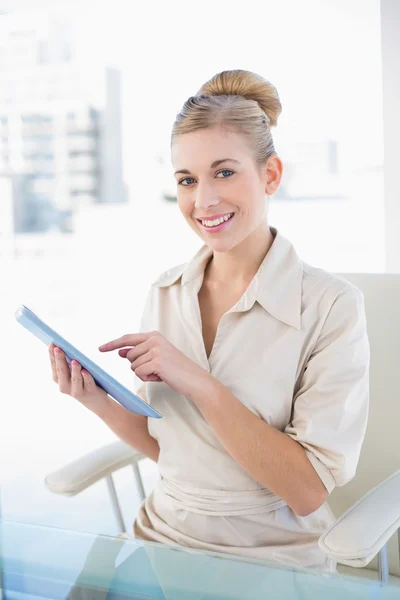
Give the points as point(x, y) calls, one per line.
point(121, 394)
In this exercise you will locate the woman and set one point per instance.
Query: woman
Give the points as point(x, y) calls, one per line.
point(257, 361)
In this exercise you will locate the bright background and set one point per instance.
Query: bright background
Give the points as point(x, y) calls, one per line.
point(325, 60)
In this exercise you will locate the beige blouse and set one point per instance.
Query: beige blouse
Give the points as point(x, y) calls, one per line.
point(294, 350)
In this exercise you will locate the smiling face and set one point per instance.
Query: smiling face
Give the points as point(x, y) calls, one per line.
point(221, 188)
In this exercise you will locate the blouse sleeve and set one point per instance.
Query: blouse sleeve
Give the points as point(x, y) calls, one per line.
point(330, 408)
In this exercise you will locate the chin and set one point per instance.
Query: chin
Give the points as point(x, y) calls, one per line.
point(220, 245)
point(218, 242)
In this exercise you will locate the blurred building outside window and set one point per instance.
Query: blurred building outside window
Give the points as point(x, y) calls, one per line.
point(88, 213)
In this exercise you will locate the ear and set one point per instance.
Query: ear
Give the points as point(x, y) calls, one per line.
point(273, 174)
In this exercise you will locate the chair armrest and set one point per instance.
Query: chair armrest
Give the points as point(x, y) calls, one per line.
point(83, 472)
point(358, 535)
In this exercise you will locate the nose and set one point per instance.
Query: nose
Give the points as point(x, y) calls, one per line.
point(205, 197)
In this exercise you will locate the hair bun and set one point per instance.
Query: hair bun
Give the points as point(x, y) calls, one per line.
point(248, 85)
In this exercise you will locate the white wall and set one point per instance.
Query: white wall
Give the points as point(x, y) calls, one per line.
point(390, 24)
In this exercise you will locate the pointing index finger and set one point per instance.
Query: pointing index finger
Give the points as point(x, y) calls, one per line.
point(131, 339)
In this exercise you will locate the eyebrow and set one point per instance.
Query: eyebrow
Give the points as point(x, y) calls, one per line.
point(216, 163)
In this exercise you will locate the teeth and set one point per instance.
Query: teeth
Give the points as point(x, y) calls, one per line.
point(217, 221)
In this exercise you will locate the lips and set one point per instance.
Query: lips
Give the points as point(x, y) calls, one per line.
point(213, 217)
point(216, 228)
point(212, 221)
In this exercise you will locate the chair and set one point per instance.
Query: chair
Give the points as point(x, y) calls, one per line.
point(370, 503)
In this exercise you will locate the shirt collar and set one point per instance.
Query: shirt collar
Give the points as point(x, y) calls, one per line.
point(277, 285)
point(279, 282)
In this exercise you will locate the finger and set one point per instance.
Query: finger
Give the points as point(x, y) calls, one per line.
point(76, 379)
point(131, 339)
point(152, 377)
point(146, 373)
point(63, 372)
point(89, 383)
point(144, 357)
point(123, 352)
point(134, 353)
point(53, 363)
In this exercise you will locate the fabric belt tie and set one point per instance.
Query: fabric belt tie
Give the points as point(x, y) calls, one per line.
point(217, 502)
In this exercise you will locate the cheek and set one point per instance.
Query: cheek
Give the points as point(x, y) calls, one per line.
point(243, 192)
point(253, 208)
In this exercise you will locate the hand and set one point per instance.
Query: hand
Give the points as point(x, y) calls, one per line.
point(154, 358)
point(76, 382)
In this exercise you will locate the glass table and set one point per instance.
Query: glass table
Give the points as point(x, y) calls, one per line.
point(42, 563)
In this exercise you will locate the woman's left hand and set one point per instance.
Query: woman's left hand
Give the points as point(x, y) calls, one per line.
point(154, 358)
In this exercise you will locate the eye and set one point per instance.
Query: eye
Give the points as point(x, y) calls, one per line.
point(225, 172)
point(187, 179)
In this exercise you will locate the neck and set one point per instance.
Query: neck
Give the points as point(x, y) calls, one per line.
point(238, 266)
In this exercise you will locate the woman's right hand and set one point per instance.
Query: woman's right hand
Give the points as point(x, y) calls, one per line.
point(77, 382)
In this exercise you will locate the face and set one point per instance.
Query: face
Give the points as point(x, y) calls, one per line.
point(221, 189)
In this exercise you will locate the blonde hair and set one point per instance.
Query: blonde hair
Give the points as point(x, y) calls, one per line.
point(237, 99)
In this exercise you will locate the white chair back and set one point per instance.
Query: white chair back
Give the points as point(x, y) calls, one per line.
point(380, 455)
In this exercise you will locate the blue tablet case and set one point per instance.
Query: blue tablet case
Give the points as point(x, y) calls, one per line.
point(121, 394)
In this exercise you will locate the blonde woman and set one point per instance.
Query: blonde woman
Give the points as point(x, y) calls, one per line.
point(257, 361)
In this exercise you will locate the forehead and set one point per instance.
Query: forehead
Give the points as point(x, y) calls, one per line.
point(204, 146)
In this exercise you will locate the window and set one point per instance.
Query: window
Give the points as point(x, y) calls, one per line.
point(325, 60)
